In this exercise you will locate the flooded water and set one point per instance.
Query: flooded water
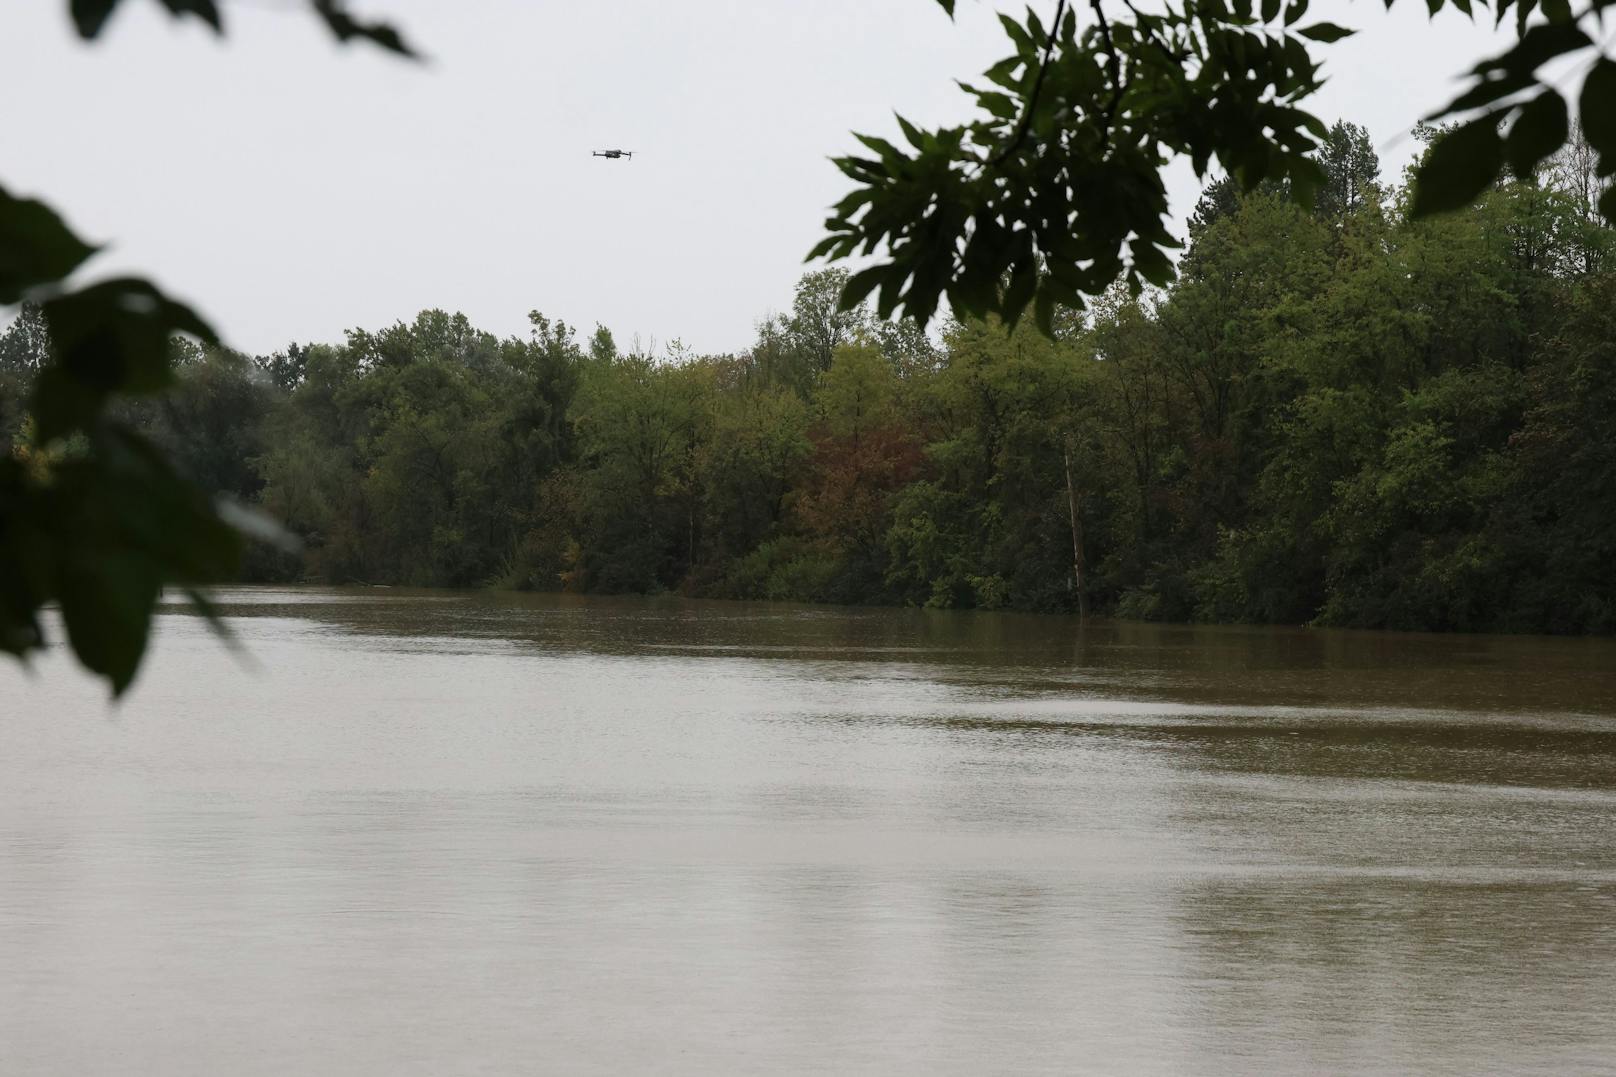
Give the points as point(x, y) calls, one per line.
point(432, 833)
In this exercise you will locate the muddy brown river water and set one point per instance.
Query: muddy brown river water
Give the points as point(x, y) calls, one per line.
point(442, 833)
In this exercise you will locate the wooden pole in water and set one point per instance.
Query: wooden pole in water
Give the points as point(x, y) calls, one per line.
point(1077, 533)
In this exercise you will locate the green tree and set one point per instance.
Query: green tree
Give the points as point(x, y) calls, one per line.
point(641, 426)
point(1351, 174)
point(748, 468)
point(24, 351)
point(993, 525)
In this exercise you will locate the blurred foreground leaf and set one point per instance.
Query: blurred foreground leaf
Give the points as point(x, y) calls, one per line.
point(92, 516)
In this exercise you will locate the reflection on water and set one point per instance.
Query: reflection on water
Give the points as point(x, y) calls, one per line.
point(433, 833)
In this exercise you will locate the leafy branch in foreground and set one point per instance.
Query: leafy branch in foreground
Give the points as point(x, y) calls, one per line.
point(92, 517)
point(90, 18)
point(1055, 191)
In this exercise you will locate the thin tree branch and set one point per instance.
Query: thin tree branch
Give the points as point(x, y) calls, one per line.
point(1113, 70)
point(1037, 86)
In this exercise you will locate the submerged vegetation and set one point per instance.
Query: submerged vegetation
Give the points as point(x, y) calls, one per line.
point(1336, 415)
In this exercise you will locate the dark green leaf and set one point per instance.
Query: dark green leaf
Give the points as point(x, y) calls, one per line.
point(861, 284)
point(1460, 165)
point(164, 516)
point(1023, 42)
point(912, 133)
point(25, 557)
point(1023, 283)
point(106, 599)
point(1597, 113)
point(1607, 205)
point(347, 28)
point(1151, 263)
point(1537, 46)
point(1035, 28)
point(1539, 130)
point(35, 247)
point(824, 247)
point(1043, 310)
point(890, 155)
point(999, 105)
point(90, 16)
point(1325, 32)
point(123, 525)
point(1486, 92)
point(206, 10)
point(111, 337)
point(886, 301)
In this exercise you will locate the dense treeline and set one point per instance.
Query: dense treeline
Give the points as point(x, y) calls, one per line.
point(1336, 415)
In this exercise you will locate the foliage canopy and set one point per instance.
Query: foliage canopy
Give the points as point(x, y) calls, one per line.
point(1056, 189)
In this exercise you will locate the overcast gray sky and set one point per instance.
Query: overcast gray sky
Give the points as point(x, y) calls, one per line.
point(292, 188)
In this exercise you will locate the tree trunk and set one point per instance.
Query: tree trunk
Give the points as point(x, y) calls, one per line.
point(1077, 536)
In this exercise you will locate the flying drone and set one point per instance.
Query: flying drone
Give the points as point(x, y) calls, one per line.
point(613, 154)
